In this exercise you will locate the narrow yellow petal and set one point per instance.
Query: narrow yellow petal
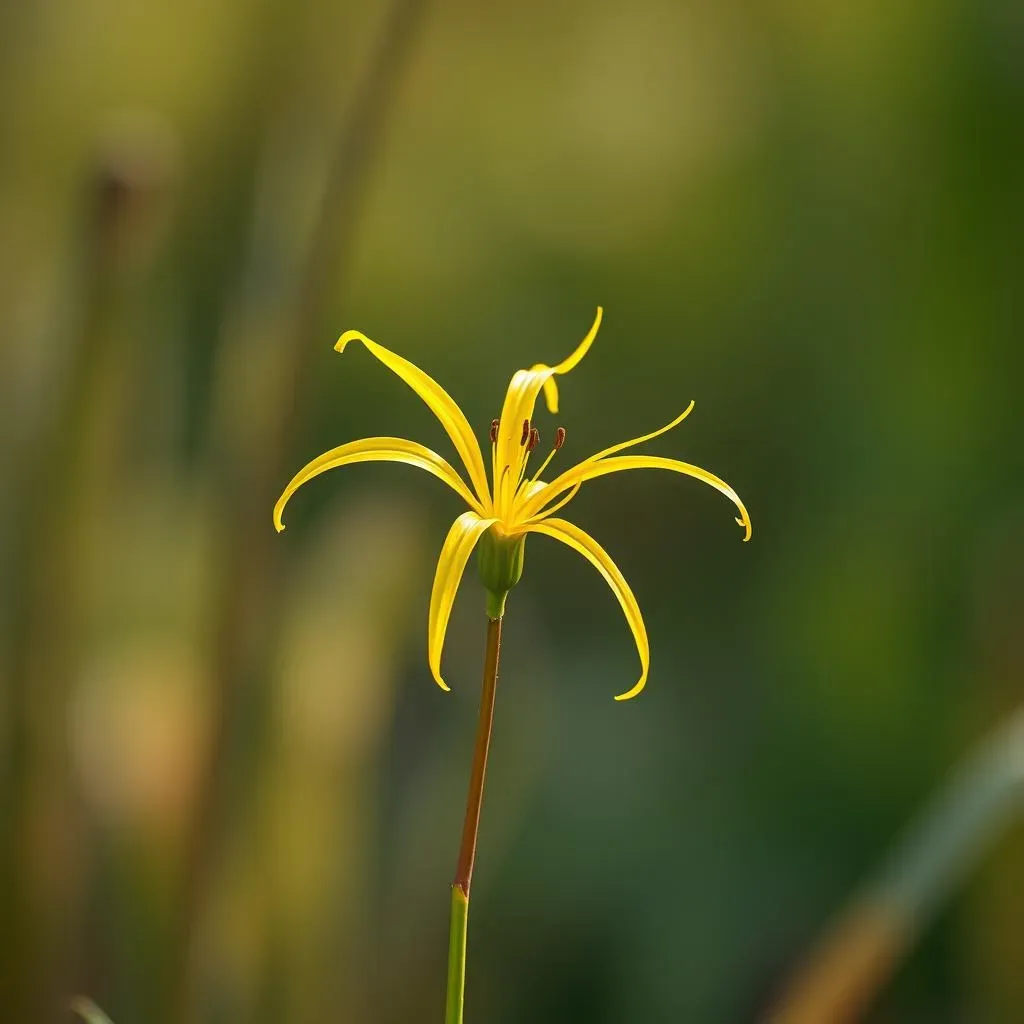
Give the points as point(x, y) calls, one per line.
point(550, 387)
point(590, 470)
point(552, 509)
point(377, 449)
point(582, 542)
point(451, 564)
point(520, 401)
point(634, 441)
point(441, 404)
point(530, 510)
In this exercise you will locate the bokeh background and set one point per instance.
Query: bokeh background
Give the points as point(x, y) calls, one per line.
point(230, 790)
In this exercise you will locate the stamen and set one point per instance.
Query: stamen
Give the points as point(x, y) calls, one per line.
point(534, 439)
point(559, 441)
point(494, 431)
point(526, 433)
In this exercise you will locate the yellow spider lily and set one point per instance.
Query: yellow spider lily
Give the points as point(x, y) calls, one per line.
point(515, 504)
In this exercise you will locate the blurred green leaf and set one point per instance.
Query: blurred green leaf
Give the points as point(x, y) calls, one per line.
point(89, 1011)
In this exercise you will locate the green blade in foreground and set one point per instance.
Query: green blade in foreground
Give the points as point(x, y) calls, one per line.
point(89, 1011)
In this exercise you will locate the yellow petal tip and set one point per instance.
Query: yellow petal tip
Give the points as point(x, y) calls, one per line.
point(630, 694)
point(339, 345)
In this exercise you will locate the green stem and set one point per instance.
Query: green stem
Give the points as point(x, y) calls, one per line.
point(457, 957)
point(470, 828)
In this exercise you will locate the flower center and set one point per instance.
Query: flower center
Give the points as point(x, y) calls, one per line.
point(508, 482)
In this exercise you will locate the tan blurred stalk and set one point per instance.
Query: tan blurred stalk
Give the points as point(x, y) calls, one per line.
point(858, 956)
point(264, 371)
point(845, 972)
point(64, 477)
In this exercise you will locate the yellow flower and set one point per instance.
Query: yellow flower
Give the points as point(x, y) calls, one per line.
point(515, 504)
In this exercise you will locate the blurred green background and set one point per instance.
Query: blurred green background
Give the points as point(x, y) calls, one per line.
point(230, 790)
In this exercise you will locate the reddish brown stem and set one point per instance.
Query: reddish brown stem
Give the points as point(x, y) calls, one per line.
point(467, 849)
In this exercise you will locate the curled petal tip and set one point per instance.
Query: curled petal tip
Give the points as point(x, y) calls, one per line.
point(444, 686)
point(279, 512)
point(551, 395)
point(339, 345)
point(745, 523)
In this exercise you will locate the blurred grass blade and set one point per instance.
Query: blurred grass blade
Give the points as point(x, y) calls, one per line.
point(244, 613)
point(850, 965)
point(89, 1011)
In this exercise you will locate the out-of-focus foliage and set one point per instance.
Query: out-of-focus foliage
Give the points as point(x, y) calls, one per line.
point(807, 217)
point(89, 1011)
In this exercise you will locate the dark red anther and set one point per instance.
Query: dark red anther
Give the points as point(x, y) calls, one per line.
point(534, 439)
point(526, 433)
point(494, 430)
point(559, 438)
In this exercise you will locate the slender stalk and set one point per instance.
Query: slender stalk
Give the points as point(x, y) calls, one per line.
point(58, 494)
point(470, 828)
point(253, 462)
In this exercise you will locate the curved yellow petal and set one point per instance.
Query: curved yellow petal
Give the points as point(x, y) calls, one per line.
point(578, 540)
point(441, 404)
point(618, 464)
point(549, 385)
point(634, 441)
point(551, 510)
point(529, 508)
point(451, 564)
point(377, 449)
point(520, 401)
